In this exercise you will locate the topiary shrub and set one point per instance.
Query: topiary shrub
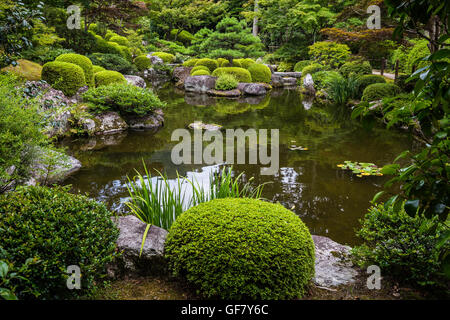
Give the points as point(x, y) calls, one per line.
point(210, 63)
point(190, 63)
point(201, 73)
point(166, 57)
point(142, 62)
point(220, 61)
point(106, 77)
point(110, 34)
point(113, 62)
point(329, 53)
point(56, 229)
point(312, 68)
point(126, 53)
point(96, 69)
point(120, 40)
point(64, 76)
point(260, 73)
point(242, 249)
point(301, 64)
point(355, 67)
point(246, 63)
point(226, 82)
point(235, 63)
point(378, 91)
point(367, 80)
point(402, 246)
point(84, 62)
point(285, 67)
point(200, 68)
point(124, 98)
point(241, 74)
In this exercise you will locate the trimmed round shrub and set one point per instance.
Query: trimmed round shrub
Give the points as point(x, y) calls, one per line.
point(260, 73)
point(126, 53)
point(113, 62)
point(301, 64)
point(355, 67)
point(241, 74)
point(106, 77)
point(127, 99)
point(55, 229)
point(103, 46)
point(200, 68)
point(120, 40)
point(210, 63)
point(142, 62)
point(118, 48)
point(201, 73)
point(166, 57)
point(246, 63)
point(367, 80)
point(64, 76)
point(312, 68)
point(84, 62)
point(242, 249)
point(96, 69)
point(110, 34)
point(190, 63)
point(285, 66)
point(378, 91)
point(220, 61)
point(226, 82)
point(235, 63)
point(329, 53)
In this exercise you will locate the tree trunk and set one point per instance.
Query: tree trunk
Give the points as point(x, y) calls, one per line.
point(255, 20)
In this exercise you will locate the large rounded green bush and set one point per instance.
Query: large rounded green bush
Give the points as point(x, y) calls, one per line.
point(241, 74)
point(142, 62)
point(246, 63)
point(312, 68)
point(57, 229)
point(200, 73)
point(84, 62)
point(234, 63)
point(194, 69)
point(355, 67)
point(242, 249)
point(260, 73)
point(64, 76)
point(96, 69)
point(301, 64)
point(112, 62)
point(367, 80)
point(321, 78)
point(190, 63)
point(166, 57)
point(120, 40)
point(106, 77)
point(210, 63)
point(378, 91)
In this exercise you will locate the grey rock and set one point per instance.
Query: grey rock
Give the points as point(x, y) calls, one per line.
point(277, 81)
point(308, 85)
point(136, 81)
point(129, 243)
point(199, 84)
point(252, 89)
point(151, 121)
point(289, 82)
point(181, 73)
point(88, 125)
point(155, 59)
point(108, 123)
point(296, 75)
point(228, 93)
point(333, 268)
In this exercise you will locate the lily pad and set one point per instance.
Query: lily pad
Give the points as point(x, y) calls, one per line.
point(361, 169)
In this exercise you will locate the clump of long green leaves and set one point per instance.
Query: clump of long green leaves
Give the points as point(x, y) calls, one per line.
point(159, 204)
point(341, 89)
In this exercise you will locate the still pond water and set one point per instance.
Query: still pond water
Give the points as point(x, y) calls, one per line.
point(329, 200)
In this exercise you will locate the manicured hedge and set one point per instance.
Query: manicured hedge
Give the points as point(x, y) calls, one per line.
point(55, 229)
point(113, 62)
point(96, 69)
point(241, 74)
point(260, 73)
point(166, 57)
point(235, 63)
point(64, 76)
point(355, 67)
point(142, 62)
point(210, 63)
point(120, 40)
point(106, 77)
point(242, 249)
point(200, 68)
point(190, 63)
point(301, 64)
point(312, 68)
point(201, 73)
point(246, 63)
point(367, 80)
point(84, 62)
point(378, 91)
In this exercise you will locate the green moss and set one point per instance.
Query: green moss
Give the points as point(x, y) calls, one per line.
point(242, 249)
point(26, 69)
point(210, 63)
point(166, 57)
point(84, 62)
point(260, 73)
point(379, 91)
point(106, 77)
point(142, 62)
point(200, 73)
point(241, 74)
point(64, 76)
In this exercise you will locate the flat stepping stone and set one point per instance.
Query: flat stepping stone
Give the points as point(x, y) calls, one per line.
point(297, 75)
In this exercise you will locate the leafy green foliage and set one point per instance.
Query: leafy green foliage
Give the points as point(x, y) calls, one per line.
point(355, 67)
point(312, 68)
point(368, 79)
point(321, 77)
point(124, 98)
point(403, 246)
point(260, 73)
point(242, 249)
point(59, 229)
point(241, 74)
point(341, 89)
point(211, 64)
point(119, 40)
point(106, 77)
point(112, 62)
point(96, 69)
point(44, 54)
point(284, 66)
point(378, 91)
point(301, 64)
point(64, 76)
point(226, 82)
point(142, 62)
point(84, 62)
point(329, 53)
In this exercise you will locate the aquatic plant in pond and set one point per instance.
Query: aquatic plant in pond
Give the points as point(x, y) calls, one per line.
point(361, 168)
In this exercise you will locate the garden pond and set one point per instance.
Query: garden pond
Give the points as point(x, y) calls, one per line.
point(328, 199)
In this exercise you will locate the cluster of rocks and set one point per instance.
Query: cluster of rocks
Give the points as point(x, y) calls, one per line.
point(333, 267)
